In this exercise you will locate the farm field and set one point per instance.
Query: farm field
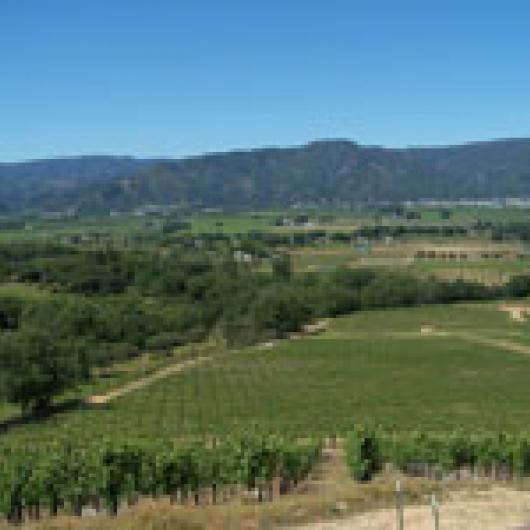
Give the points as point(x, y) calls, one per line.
point(123, 293)
point(475, 326)
point(481, 317)
point(482, 271)
point(309, 256)
point(372, 367)
point(242, 222)
point(310, 260)
point(49, 229)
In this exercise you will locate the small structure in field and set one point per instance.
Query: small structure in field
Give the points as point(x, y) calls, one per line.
point(97, 400)
point(426, 329)
point(316, 328)
point(518, 313)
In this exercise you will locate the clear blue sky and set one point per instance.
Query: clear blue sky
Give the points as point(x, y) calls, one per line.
point(176, 77)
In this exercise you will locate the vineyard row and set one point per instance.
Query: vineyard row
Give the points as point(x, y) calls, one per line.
point(435, 455)
point(67, 478)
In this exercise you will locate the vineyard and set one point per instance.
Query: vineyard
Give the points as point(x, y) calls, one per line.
point(444, 408)
point(437, 455)
point(111, 475)
point(66, 477)
point(352, 374)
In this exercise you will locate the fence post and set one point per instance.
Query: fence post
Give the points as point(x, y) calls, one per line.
point(435, 512)
point(399, 506)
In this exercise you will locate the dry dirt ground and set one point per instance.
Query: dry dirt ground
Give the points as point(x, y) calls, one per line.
point(491, 509)
point(496, 509)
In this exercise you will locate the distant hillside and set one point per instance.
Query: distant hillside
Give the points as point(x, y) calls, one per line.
point(334, 170)
point(45, 184)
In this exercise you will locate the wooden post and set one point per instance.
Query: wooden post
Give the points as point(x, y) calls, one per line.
point(435, 512)
point(399, 507)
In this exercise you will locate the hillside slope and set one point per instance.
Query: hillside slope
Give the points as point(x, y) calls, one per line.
point(322, 171)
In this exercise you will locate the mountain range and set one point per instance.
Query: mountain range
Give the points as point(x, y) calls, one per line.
point(325, 171)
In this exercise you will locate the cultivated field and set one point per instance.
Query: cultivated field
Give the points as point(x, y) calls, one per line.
point(372, 367)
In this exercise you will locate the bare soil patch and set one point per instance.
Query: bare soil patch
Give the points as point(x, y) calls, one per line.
point(496, 509)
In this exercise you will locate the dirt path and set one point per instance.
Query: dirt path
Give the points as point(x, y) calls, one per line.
point(144, 381)
point(496, 343)
point(476, 338)
point(309, 330)
point(330, 474)
point(469, 336)
point(497, 509)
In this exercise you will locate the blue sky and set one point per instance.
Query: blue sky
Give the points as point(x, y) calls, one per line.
point(172, 78)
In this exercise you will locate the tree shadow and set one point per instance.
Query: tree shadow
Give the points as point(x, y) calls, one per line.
point(41, 416)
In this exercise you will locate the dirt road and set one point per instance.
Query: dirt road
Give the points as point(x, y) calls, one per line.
point(502, 344)
point(144, 381)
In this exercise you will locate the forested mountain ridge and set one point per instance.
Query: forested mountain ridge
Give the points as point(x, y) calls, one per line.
point(35, 183)
point(330, 170)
